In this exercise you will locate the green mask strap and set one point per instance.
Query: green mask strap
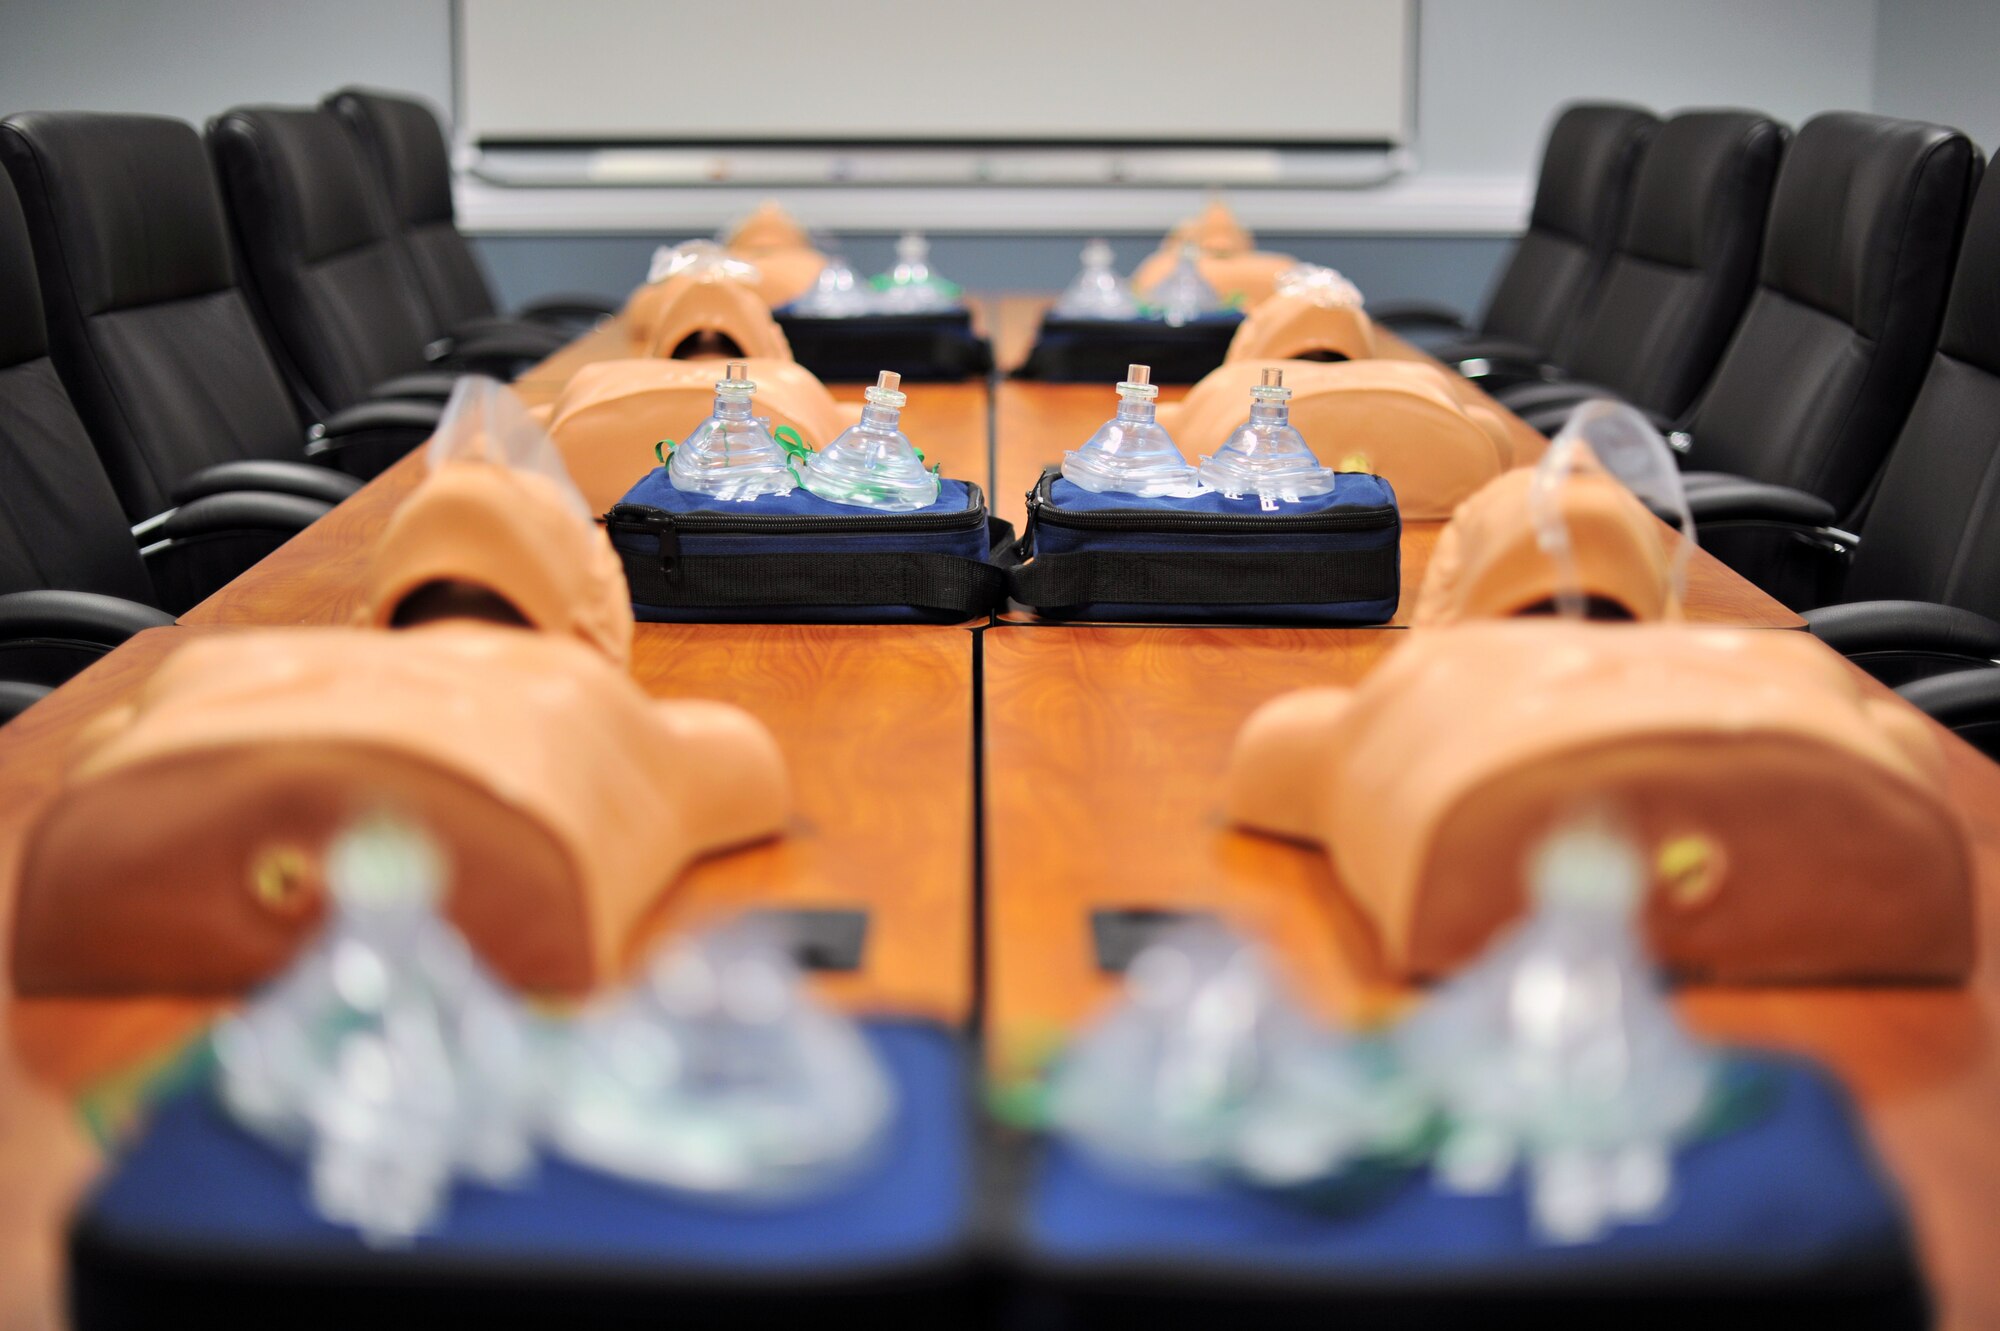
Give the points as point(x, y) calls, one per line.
point(797, 451)
point(792, 443)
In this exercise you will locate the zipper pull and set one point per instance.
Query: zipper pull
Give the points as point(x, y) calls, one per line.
point(657, 523)
point(1024, 547)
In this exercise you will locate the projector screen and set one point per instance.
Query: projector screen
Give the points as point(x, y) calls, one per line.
point(1280, 73)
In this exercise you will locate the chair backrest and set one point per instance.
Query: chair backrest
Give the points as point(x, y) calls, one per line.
point(1864, 229)
point(405, 143)
point(154, 339)
point(1687, 261)
point(60, 525)
point(1581, 197)
point(1933, 532)
point(322, 260)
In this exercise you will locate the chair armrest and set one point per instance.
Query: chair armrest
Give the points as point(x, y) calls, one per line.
point(1716, 497)
point(266, 477)
point(1906, 628)
point(568, 308)
point(1565, 393)
point(500, 351)
point(242, 511)
point(86, 617)
point(1399, 315)
point(365, 439)
point(1706, 480)
point(401, 414)
point(1494, 375)
point(1492, 348)
point(1550, 418)
point(505, 330)
point(48, 636)
point(423, 386)
point(195, 550)
point(1496, 363)
point(1965, 702)
point(1547, 406)
point(18, 695)
point(1781, 540)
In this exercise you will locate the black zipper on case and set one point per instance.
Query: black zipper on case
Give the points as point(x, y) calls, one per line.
point(667, 527)
point(1041, 509)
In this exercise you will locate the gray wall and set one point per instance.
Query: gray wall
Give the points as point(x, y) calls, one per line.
point(1935, 60)
point(1490, 71)
point(1453, 269)
point(1488, 76)
point(193, 58)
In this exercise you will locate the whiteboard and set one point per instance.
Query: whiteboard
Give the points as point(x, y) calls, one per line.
point(1281, 72)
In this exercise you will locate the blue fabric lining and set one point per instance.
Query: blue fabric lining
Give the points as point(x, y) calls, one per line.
point(195, 1178)
point(1794, 1193)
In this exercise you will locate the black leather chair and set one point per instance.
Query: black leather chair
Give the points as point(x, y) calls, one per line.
point(1581, 198)
point(1680, 277)
point(1915, 598)
point(405, 145)
point(1819, 378)
point(150, 331)
point(1917, 592)
point(326, 269)
point(73, 581)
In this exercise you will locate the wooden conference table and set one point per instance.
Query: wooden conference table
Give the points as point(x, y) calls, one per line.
point(876, 724)
point(1098, 750)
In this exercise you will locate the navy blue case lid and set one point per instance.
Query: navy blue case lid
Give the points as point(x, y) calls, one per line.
point(195, 1186)
point(1789, 1203)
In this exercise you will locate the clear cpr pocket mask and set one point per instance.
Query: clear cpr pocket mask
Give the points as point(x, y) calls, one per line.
point(1402, 420)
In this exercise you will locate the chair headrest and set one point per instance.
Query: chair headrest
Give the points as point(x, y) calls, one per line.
point(1587, 165)
point(310, 170)
point(1972, 316)
point(1699, 164)
point(23, 334)
point(127, 201)
point(407, 141)
point(1860, 200)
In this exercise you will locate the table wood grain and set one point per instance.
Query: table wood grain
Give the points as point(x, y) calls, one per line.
point(1104, 749)
point(875, 722)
